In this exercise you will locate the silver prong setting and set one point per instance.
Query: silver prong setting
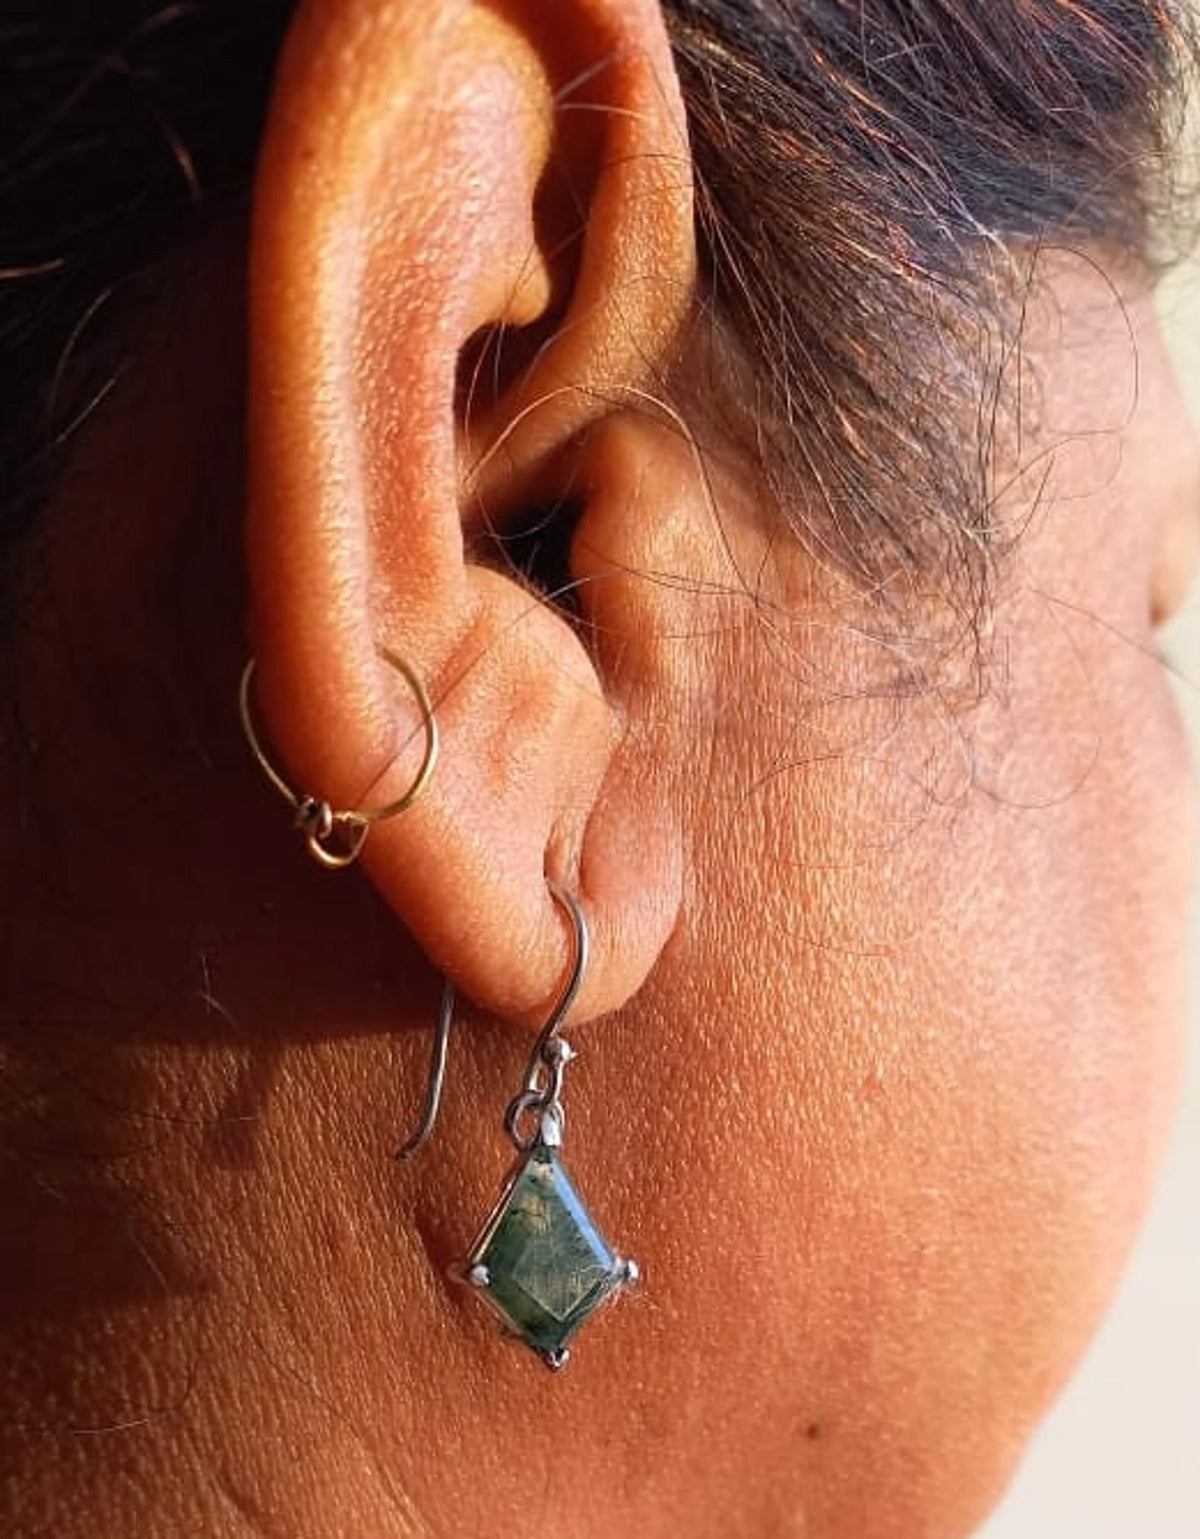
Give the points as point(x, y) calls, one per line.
point(552, 1127)
point(557, 1358)
point(479, 1276)
point(630, 1272)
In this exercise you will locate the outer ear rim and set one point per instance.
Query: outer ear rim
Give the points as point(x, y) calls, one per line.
point(348, 550)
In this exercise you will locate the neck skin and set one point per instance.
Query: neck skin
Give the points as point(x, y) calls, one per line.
point(914, 1059)
point(208, 1048)
point(227, 1313)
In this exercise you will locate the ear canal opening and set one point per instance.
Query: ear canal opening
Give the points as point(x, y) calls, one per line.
point(534, 547)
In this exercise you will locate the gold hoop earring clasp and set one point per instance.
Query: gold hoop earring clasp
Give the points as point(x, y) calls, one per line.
point(315, 818)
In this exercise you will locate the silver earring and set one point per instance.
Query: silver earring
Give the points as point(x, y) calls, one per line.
point(539, 1260)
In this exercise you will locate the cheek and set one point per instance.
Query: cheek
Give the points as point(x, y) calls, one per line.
point(940, 1141)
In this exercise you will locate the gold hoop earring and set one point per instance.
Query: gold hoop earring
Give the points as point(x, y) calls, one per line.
point(315, 818)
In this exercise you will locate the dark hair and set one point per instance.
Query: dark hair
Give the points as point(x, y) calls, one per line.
point(857, 163)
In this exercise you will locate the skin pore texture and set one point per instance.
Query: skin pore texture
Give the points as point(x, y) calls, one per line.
point(880, 1038)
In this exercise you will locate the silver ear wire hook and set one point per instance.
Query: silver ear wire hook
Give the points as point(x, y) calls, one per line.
point(539, 1261)
point(437, 1076)
point(542, 1088)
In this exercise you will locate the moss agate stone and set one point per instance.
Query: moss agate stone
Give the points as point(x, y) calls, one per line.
point(540, 1261)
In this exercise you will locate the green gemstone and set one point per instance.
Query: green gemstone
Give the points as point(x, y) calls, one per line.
point(540, 1260)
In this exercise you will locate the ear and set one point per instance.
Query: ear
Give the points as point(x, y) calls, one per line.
point(472, 247)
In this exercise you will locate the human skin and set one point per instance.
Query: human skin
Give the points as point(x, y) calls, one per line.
point(879, 1041)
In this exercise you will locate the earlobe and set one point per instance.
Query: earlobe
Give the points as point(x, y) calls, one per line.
point(414, 196)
